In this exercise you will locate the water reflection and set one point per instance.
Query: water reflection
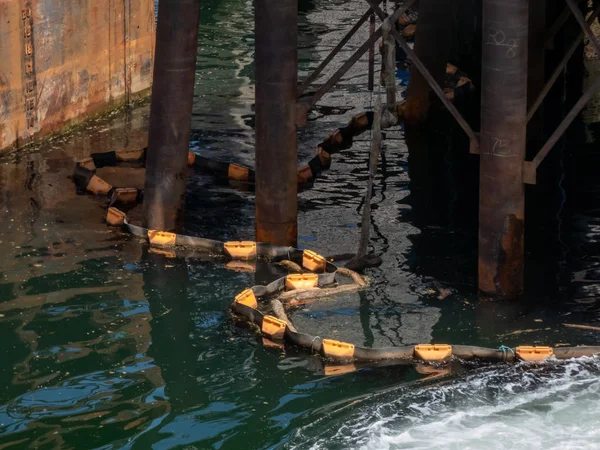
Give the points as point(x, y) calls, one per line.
point(109, 345)
point(63, 334)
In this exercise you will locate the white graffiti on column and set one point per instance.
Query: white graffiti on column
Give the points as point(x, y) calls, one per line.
point(498, 37)
point(501, 147)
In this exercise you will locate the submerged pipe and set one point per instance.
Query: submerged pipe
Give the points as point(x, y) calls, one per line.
point(171, 113)
point(276, 141)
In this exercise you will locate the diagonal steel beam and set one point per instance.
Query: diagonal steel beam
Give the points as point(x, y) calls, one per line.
point(583, 24)
point(530, 167)
point(556, 26)
point(355, 56)
point(313, 76)
point(586, 97)
point(342, 70)
point(559, 69)
point(430, 80)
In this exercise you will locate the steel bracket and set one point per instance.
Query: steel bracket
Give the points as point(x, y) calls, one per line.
point(529, 172)
point(474, 145)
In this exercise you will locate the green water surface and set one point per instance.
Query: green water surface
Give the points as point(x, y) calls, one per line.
point(107, 345)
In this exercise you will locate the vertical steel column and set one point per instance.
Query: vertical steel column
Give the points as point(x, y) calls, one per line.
point(503, 136)
point(433, 41)
point(276, 140)
point(371, 79)
point(171, 113)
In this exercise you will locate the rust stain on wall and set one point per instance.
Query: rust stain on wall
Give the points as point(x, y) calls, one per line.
point(69, 59)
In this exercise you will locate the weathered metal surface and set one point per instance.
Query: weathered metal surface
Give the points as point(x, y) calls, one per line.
point(171, 113)
point(64, 61)
point(12, 99)
point(276, 141)
point(502, 145)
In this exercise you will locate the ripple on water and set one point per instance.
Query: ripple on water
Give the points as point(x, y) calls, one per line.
point(553, 406)
point(117, 400)
point(105, 345)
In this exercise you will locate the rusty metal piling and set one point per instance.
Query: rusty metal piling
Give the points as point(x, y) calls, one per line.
point(502, 146)
point(171, 113)
point(276, 140)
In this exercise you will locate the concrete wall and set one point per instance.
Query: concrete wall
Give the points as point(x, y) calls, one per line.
point(64, 60)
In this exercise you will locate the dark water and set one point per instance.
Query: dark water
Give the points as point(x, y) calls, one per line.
point(106, 345)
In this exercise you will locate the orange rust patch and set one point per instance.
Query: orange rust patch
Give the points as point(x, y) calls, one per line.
point(277, 234)
point(509, 273)
point(73, 78)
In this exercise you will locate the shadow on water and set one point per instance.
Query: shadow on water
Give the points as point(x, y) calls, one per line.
point(108, 345)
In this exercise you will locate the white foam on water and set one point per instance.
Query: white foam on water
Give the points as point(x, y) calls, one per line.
point(550, 406)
